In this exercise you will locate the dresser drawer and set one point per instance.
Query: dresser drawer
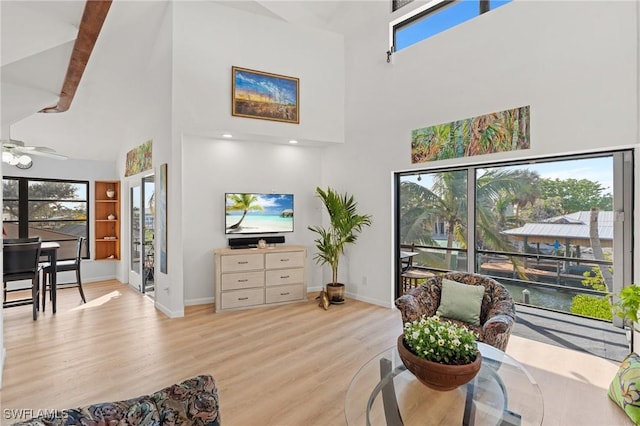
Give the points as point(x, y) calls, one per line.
point(241, 298)
point(287, 259)
point(285, 276)
point(241, 262)
point(238, 280)
point(285, 293)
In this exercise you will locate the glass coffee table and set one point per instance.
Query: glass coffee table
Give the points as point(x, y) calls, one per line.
point(384, 392)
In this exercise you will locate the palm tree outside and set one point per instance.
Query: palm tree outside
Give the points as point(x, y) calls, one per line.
point(444, 205)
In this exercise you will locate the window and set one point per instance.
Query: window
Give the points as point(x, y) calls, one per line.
point(54, 210)
point(433, 216)
point(545, 229)
point(445, 14)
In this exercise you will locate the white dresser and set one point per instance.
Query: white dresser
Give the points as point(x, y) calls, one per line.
point(246, 278)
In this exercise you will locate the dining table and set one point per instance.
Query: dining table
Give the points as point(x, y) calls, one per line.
point(404, 256)
point(50, 250)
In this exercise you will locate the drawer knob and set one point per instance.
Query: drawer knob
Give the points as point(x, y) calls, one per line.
point(243, 281)
point(284, 294)
point(284, 260)
point(242, 262)
point(285, 276)
point(243, 298)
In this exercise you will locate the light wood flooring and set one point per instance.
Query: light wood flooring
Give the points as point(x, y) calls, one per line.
point(283, 365)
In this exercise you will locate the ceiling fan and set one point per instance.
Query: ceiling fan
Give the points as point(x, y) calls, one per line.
point(16, 153)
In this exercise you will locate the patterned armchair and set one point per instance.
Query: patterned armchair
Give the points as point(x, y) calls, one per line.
point(497, 314)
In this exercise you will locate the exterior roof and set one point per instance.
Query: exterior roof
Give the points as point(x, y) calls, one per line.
point(573, 227)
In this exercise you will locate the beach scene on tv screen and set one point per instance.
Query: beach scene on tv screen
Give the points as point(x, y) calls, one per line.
point(248, 213)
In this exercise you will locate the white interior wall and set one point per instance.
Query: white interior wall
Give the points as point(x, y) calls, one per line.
point(219, 166)
point(209, 39)
point(91, 171)
point(581, 85)
point(151, 98)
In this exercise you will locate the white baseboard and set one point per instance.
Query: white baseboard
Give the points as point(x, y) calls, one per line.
point(200, 301)
point(356, 297)
point(168, 312)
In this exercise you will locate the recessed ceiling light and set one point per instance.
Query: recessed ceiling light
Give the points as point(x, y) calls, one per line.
point(293, 141)
point(227, 135)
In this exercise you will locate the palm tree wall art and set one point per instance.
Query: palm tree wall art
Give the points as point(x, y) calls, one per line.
point(485, 134)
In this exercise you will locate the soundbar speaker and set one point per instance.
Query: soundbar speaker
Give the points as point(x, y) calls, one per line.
point(248, 242)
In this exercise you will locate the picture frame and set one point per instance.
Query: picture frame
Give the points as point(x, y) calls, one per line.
point(162, 222)
point(139, 159)
point(265, 96)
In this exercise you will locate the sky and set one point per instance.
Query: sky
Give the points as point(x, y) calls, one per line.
point(439, 21)
point(273, 204)
point(276, 89)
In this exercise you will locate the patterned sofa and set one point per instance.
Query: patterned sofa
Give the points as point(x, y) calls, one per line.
point(192, 402)
point(497, 313)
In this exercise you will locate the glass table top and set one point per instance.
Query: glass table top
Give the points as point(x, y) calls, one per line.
point(384, 392)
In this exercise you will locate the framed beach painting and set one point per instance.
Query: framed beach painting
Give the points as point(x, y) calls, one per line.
point(266, 96)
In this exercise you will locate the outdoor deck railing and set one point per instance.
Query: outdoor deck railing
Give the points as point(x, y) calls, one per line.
point(543, 280)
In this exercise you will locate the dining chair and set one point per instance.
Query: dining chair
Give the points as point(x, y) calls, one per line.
point(409, 274)
point(63, 266)
point(20, 262)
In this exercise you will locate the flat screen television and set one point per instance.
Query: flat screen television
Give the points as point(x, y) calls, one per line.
point(255, 213)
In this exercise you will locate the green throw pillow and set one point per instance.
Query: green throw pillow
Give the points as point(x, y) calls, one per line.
point(625, 387)
point(461, 301)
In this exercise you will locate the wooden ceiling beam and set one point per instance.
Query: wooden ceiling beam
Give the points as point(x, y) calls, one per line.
point(95, 12)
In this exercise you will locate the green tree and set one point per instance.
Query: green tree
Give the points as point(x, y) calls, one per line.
point(46, 199)
point(446, 201)
point(576, 194)
point(507, 201)
point(541, 209)
point(245, 203)
point(416, 223)
point(590, 305)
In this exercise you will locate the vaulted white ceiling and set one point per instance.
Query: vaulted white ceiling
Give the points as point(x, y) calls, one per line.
point(37, 40)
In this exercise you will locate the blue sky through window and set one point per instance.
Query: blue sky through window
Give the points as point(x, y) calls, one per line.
point(439, 21)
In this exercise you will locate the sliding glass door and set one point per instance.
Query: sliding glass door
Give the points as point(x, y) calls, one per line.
point(555, 232)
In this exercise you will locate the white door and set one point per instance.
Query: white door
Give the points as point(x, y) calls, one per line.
point(135, 248)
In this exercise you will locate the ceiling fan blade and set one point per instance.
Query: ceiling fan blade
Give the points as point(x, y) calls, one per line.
point(49, 153)
point(11, 143)
point(41, 151)
point(16, 146)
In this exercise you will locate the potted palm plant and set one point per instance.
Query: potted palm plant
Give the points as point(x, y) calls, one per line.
point(344, 226)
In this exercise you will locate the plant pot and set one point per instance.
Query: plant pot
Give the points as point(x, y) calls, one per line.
point(442, 377)
point(335, 292)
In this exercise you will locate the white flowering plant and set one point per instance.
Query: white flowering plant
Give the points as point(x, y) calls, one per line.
point(440, 341)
